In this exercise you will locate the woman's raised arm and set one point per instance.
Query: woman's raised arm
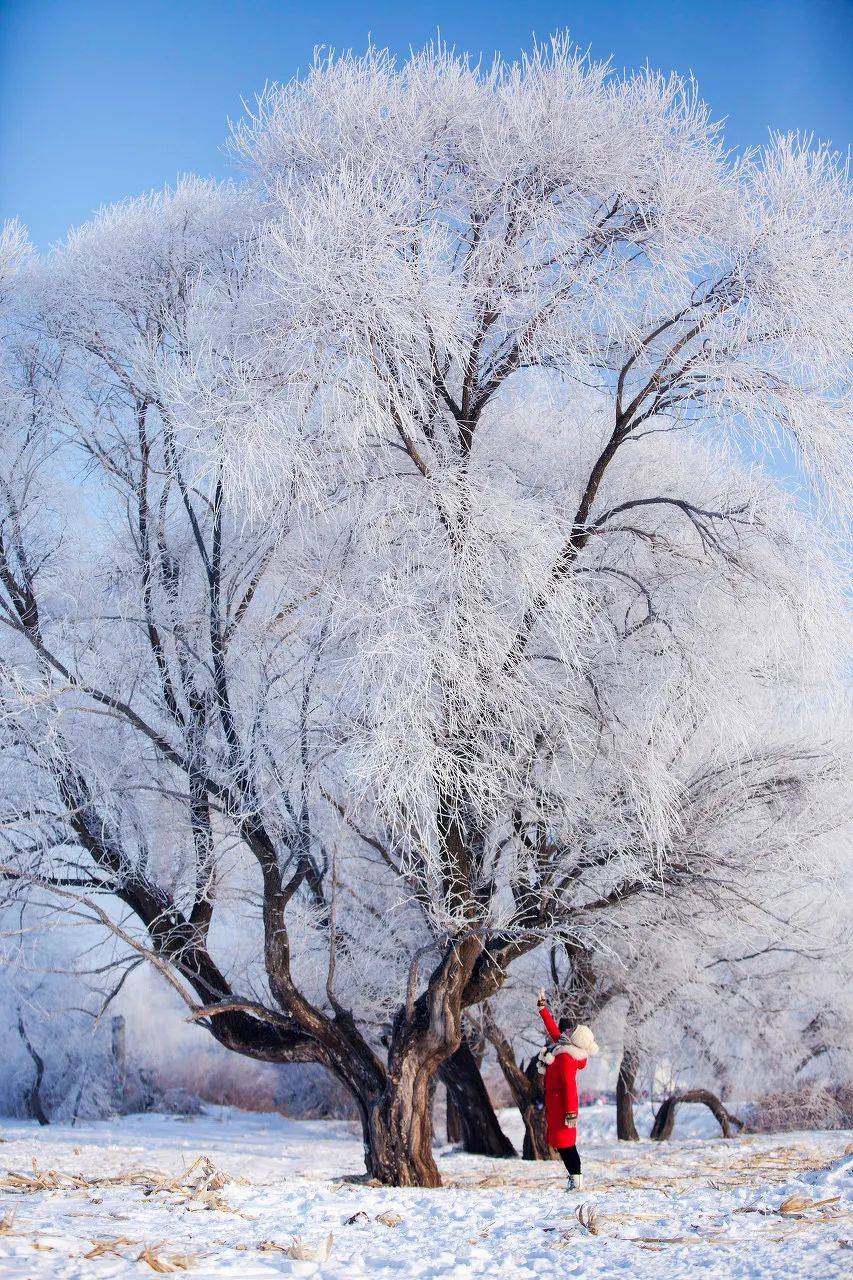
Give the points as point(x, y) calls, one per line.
point(547, 1017)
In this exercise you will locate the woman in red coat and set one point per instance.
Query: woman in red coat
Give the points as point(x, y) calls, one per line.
point(560, 1062)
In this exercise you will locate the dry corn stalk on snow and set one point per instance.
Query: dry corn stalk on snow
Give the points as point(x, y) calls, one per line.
point(165, 1265)
point(111, 1247)
point(795, 1204)
point(45, 1180)
point(802, 1204)
point(305, 1252)
point(199, 1185)
point(588, 1218)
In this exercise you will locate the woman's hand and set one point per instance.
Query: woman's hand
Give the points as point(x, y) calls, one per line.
point(540, 998)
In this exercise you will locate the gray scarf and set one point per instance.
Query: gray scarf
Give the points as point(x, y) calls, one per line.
point(551, 1048)
point(549, 1051)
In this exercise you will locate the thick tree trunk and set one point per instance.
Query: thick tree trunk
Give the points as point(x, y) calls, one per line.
point(394, 1101)
point(467, 1096)
point(426, 1032)
point(626, 1130)
point(393, 1097)
point(398, 1133)
point(664, 1121)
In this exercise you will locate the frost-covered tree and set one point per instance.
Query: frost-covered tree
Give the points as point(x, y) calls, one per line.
point(755, 1008)
point(411, 529)
point(163, 619)
point(437, 234)
point(741, 962)
point(60, 1058)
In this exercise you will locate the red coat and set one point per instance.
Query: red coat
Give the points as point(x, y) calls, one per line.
point(561, 1089)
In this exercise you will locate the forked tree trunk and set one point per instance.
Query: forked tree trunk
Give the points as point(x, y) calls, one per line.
point(426, 1032)
point(664, 1121)
point(469, 1103)
point(626, 1129)
point(394, 1096)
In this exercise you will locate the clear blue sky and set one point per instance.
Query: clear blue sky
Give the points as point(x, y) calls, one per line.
point(100, 99)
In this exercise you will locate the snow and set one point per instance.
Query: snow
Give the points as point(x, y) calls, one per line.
point(697, 1205)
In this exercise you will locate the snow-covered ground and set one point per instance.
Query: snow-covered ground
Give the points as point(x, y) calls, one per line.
point(697, 1206)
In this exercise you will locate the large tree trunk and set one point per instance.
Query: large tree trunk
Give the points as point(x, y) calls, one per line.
point(469, 1103)
point(626, 1129)
point(664, 1121)
point(398, 1132)
point(426, 1032)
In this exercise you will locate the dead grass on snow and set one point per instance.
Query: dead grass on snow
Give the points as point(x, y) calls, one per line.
point(198, 1186)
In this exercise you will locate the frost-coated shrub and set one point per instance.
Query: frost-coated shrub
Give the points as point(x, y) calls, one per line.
point(49, 1027)
point(208, 1075)
point(184, 1082)
point(812, 1106)
point(312, 1093)
point(79, 1079)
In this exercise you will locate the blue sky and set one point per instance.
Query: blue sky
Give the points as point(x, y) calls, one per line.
point(103, 100)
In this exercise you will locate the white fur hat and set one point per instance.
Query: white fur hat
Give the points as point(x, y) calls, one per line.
point(583, 1038)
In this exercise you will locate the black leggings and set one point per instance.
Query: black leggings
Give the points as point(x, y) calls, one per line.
point(571, 1159)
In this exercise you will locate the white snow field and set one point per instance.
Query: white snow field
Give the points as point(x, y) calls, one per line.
point(127, 1198)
